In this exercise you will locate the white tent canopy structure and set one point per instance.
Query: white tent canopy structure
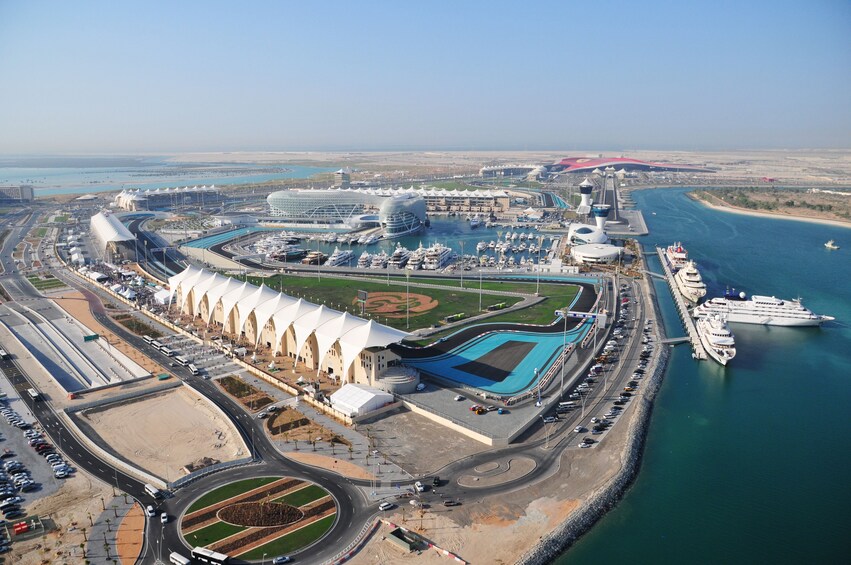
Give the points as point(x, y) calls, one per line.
point(357, 400)
point(240, 307)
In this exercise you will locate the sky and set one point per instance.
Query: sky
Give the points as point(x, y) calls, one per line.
point(154, 77)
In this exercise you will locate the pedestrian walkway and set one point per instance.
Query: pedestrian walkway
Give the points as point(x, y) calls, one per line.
point(103, 532)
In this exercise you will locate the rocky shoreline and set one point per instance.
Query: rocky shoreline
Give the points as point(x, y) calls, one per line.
point(551, 546)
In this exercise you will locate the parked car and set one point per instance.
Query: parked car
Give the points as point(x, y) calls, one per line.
point(385, 506)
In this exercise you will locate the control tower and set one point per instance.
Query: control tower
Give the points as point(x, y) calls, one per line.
point(601, 212)
point(585, 188)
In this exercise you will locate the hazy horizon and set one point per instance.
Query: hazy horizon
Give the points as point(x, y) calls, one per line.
point(157, 78)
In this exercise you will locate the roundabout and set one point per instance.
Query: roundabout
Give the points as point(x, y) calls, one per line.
point(250, 518)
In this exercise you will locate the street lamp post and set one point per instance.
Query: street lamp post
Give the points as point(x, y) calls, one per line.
point(462, 263)
point(407, 299)
point(546, 431)
point(563, 347)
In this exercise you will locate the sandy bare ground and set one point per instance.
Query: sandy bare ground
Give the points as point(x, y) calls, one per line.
point(131, 533)
point(164, 432)
point(70, 507)
point(718, 204)
point(340, 466)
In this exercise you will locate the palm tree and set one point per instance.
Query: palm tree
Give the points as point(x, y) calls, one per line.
point(83, 547)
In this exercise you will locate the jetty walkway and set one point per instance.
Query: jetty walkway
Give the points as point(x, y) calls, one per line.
point(685, 316)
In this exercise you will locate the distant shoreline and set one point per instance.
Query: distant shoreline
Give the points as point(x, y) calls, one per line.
point(742, 211)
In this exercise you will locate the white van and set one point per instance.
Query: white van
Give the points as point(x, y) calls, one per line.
point(419, 486)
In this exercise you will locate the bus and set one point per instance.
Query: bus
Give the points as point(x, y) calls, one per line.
point(182, 361)
point(166, 351)
point(156, 344)
point(153, 491)
point(148, 339)
point(33, 393)
point(194, 369)
point(4, 354)
point(204, 555)
point(178, 559)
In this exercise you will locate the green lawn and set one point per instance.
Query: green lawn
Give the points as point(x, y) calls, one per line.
point(61, 219)
point(211, 534)
point(46, 283)
point(41, 232)
point(303, 496)
point(292, 542)
point(541, 313)
point(340, 294)
point(229, 490)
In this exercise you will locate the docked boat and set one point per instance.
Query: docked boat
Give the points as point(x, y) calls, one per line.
point(379, 260)
point(763, 310)
point(365, 260)
point(831, 245)
point(481, 246)
point(690, 283)
point(491, 244)
point(716, 338)
point(314, 258)
point(436, 257)
point(371, 240)
point(400, 257)
point(475, 222)
point(677, 256)
point(417, 257)
point(287, 253)
point(340, 257)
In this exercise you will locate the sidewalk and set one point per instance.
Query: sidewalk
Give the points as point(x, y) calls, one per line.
point(103, 532)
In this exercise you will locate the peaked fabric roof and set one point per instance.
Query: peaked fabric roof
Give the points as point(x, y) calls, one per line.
point(328, 325)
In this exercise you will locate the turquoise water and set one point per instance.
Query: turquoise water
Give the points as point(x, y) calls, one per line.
point(522, 377)
point(747, 464)
point(48, 181)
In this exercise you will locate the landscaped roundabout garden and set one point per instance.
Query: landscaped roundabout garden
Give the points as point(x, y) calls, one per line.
point(253, 517)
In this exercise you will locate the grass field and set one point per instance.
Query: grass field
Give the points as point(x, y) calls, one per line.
point(61, 219)
point(303, 496)
point(293, 541)
point(340, 294)
point(212, 533)
point(228, 491)
point(45, 283)
point(41, 232)
point(215, 534)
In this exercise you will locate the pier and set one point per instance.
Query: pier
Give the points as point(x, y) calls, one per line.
point(685, 316)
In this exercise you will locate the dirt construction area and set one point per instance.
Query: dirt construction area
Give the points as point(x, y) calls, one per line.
point(164, 432)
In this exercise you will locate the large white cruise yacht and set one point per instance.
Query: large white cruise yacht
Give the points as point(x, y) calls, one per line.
point(677, 256)
point(437, 256)
point(765, 310)
point(716, 338)
point(400, 257)
point(690, 283)
point(340, 257)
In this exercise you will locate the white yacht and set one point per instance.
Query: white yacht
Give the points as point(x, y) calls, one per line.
point(371, 240)
point(481, 246)
point(365, 260)
point(340, 257)
point(417, 257)
point(831, 245)
point(677, 256)
point(764, 310)
point(314, 258)
point(400, 257)
point(379, 260)
point(690, 283)
point(716, 338)
point(436, 257)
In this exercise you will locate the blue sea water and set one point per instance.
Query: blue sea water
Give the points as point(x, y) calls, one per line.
point(49, 181)
point(749, 463)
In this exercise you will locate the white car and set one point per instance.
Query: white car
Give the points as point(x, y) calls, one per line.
point(385, 506)
point(459, 397)
point(421, 387)
point(149, 510)
point(163, 518)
